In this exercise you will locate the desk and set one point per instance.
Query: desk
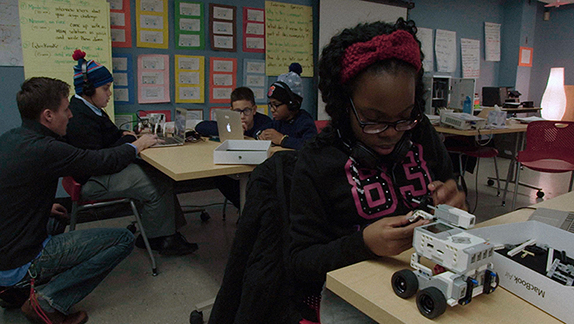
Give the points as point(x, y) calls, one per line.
point(195, 161)
point(367, 286)
point(517, 129)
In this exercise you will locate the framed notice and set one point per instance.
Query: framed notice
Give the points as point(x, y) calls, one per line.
point(222, 79)
point(253, 30)
point(525, 56)
point(222, 31)
point(189, 26)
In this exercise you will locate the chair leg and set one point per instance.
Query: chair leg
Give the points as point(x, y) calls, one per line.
point(516, 181)
point(74, 216)
point(224, 208)
point(497, 176)
point(144, 236)
point(571, 181)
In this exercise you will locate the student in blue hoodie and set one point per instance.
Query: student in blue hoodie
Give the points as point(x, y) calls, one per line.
point(291, 125)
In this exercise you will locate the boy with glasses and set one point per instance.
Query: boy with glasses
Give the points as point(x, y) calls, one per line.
point(291, 126)
point(243, 102)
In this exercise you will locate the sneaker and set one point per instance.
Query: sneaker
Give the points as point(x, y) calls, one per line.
point(55, 317)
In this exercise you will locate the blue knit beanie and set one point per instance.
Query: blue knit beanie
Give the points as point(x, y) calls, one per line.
point(98, 75)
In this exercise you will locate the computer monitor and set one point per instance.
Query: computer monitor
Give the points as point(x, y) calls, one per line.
point(494, 96)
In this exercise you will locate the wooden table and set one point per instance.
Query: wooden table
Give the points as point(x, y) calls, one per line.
point(367, 286)
point(195, 161)
point(517, 129)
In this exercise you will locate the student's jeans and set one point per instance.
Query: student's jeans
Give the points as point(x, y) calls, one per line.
point(74, 263)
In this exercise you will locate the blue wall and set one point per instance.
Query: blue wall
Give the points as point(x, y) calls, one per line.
point(554, 48)
point(522, 25)
point(12, 77)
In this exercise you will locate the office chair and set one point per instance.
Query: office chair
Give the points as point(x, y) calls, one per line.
point(74, 189)
point(548, 149)
point(470, 148)
point(320, 124)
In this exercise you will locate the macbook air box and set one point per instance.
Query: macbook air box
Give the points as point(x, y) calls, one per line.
point(241, 152)
point(535, 287)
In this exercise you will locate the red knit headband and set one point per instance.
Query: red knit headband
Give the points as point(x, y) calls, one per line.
point(399, 44)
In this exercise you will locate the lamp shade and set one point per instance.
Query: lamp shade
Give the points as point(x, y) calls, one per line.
point(554, 98)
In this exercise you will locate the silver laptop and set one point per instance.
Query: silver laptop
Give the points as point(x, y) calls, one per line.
point(229, 125)
point(178, 137)
point(556, 218)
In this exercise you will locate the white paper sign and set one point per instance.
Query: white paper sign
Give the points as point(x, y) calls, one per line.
point(445, 50)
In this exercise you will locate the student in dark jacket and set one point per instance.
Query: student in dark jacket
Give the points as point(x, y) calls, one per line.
point(243, 102)
point(91, 128)
point(32, 158)
point(355, 182)
point(291, 125)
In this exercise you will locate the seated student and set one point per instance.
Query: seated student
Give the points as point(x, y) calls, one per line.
point(242, 101)
point(354, 183)
point(291, 125)
point(91, 128)
point(66, 267)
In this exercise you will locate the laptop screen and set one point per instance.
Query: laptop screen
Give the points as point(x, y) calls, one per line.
point(229, 125)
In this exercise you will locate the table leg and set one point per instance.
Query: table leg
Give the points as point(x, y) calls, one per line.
point(519, 144)
point(243, 178)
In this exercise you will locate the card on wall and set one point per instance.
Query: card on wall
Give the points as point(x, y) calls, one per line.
point(253, 30)
point(212, 112)
point(189, 30)
point(151, 26)
point(153, 78)
point(222, 79)
point(122, 67)
point(222, 31)
point(254, 78)
point(120, 23)
point(189, 79)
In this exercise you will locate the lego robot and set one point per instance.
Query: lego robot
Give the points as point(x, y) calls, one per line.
point(464, 262)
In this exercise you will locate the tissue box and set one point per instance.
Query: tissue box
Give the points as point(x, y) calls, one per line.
point(241, 152)
point(497, 118)
point(539, 290)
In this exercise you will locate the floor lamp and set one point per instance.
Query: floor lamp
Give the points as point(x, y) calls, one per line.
point(554, 98)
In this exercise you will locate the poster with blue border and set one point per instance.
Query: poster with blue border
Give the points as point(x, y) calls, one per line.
point(254, 78)
point(123, 71)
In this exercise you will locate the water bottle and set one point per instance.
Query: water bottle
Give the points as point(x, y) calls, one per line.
point(467, 106)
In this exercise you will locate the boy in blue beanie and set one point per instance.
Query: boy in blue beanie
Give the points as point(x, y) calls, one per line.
point(91, 128)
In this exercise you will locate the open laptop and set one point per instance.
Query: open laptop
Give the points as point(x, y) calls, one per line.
point(229, 125)
point(557, 218)
point(178, 137)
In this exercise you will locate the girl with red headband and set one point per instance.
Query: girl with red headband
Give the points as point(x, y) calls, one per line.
point(357, 180)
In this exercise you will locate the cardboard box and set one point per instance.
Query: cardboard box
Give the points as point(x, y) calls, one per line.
point(539, 290)
point(241, 152)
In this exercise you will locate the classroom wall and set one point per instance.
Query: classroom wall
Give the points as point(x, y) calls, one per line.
point(554, 41)
point(12, 77)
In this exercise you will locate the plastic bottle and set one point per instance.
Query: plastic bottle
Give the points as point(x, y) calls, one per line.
point(467, 106)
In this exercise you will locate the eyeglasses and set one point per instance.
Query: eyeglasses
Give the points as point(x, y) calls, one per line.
point(273, 107)
point(246, 111)
point(399, 125)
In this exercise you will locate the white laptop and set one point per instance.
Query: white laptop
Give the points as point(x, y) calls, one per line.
point(229, 125)
point(556, 218)
point(178, 137)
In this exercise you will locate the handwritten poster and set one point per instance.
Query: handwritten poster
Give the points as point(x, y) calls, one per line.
point(153, 78)
point(120, 23)
point(491, 41)
point(189, 78)
point(253, 30)
point(289, 30)
point(52, 30)
point(222, 79)
point(445, 50)
point(425, 36)
point(470, 53)
point(10, 43)
point(254, 78)
point(151, 23)
point(189, 30)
